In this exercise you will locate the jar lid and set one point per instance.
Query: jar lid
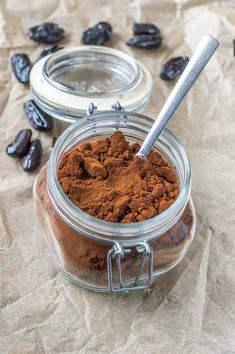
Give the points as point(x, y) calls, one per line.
point(66, 82)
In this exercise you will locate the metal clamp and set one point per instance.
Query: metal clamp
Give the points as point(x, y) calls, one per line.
point(117, 252)
point(91, 109)
point(117, 106)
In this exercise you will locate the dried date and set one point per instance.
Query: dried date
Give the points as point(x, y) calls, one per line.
point(49, 50)
point(145, 41)
point(98, 34)
point(21, 66)
point(145, 28)
point(33, 158)
point(37, 117)
point(20, 145)
point(47, 32)
point(173, 67)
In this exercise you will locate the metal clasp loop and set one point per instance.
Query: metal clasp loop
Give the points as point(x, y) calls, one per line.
point(117, 253)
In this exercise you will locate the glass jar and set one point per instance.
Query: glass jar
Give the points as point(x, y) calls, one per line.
point(105, 256)
point(64, 83)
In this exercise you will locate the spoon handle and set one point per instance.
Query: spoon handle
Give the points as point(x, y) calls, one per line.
point(200, 58)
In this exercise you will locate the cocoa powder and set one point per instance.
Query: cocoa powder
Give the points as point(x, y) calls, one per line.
point(104, 179)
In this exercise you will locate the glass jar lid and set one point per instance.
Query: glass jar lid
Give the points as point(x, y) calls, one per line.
point(66, 82)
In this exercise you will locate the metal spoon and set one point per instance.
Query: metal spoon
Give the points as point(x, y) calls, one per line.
point(200, 58)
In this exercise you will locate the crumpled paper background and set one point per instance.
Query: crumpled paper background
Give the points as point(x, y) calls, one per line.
point(188, 310)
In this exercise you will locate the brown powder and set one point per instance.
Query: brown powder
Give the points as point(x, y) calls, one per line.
point(104, 179)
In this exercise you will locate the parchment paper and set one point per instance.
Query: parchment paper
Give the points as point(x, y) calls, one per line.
point(190, 309)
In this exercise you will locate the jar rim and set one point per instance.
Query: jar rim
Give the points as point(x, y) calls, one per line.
point(103, 230)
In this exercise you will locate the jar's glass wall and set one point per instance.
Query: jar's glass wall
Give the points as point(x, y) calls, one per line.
point(84, 260)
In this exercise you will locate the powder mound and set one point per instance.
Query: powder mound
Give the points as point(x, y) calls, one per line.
point(106, 180)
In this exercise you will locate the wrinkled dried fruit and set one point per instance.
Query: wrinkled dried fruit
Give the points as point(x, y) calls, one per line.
point(37, 117)
point(48, 50)
point(145, 28)
point(47, 32)
point(21, 65)
point(33, 158)
point(98, 34)
point(173, 67)
point(20, 145)
point(145, 41)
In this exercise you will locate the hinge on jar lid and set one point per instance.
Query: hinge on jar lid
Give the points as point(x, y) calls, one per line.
point(117, 252)
point(117, 106)
point(91, 109)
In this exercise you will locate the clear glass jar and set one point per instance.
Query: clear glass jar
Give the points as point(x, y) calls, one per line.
point(64, 83)
point(105, 256)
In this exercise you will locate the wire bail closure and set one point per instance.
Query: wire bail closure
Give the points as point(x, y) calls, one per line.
point(118, 252)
